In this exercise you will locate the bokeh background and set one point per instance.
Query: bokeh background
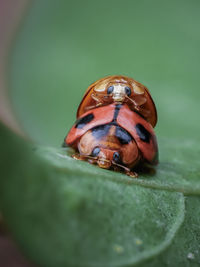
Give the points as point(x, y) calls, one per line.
point(63, 46)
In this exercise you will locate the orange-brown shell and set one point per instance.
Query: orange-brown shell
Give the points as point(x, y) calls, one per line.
point(126, 119)
point(109, 144)
point(137, 88)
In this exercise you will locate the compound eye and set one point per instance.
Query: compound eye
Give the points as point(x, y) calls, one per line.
point(95, 151)
point(116, 157)
point(110, 89)
point(128, 91)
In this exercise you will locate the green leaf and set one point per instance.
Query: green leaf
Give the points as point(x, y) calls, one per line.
point(64, 216)
point(185, 248)
point(178, 170)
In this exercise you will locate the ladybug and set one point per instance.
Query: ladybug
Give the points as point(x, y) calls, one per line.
point(113, 137)
point(119, 89)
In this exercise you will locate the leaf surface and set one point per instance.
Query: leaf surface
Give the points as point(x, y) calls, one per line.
point(61, 214)
point(185, 248)
point(178, 169)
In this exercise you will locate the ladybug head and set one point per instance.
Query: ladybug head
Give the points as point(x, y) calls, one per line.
point(106, 157)
point(118, 87)
point(119, 91)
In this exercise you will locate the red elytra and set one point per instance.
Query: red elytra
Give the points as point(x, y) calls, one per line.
point(121, 115)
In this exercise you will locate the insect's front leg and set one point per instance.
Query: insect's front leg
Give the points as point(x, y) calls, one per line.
point(98, 100)
point(78, 157)
point(90, 159)
point(131, 174)
point(146, 113)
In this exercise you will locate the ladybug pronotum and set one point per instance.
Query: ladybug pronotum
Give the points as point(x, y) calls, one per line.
point(119, 89)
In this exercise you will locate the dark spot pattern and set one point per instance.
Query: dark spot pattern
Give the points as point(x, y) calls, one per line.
point(80, 123)
point(100, 131)
point(123, 136)
point(116, 112)
point(144, 135)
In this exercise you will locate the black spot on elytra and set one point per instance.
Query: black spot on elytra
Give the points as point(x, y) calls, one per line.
point(123, 136)
point(101, 131)
point(117, 109)
point(80, 123)
point(144, 135)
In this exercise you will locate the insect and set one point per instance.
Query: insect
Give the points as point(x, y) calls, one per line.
point(119, 89)
point(113, 137)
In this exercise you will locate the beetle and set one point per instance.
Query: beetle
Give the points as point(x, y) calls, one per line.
point(119, 89)
point(113, 137)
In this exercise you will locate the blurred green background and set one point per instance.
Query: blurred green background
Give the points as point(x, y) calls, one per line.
point(63, 46)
